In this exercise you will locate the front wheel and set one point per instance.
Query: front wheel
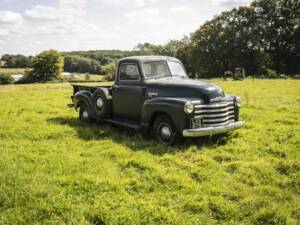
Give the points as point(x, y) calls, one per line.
point(164, 130)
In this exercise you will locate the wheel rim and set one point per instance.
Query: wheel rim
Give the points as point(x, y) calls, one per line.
point(99, 103)
point(85, 115)
point(165, 133)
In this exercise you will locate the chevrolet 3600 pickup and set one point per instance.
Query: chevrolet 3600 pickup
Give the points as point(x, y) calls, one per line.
point(154, 94)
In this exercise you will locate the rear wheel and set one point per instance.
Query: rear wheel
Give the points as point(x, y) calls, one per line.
point(102, 103)
point(164, 130)
point(84, 114)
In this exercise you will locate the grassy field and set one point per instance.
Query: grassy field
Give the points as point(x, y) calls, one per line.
point(12, 71)
point(57, 170)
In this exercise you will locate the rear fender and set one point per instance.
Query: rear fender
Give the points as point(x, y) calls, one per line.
point(85, 97)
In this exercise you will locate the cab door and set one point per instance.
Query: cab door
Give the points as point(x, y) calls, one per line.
point(128, 92)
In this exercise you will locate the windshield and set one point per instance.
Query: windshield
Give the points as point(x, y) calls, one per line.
point(177, 69)
point(157, 69)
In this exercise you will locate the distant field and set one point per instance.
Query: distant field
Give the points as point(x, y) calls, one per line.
point(75, 78)
point(12, 70)
point(57, 170)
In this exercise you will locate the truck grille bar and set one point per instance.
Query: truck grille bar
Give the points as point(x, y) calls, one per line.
point(212, 115)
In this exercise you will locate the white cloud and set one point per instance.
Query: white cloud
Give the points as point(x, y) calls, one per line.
point(9, 0)
point(65, 10)
point(100, 24)
point(41, 12)
point(3, 32)
point(182, 9)
point(229, 4)
point(127, 3)
point(59, 26)
point(73, 3)
point(9, 17)
point(147, 16)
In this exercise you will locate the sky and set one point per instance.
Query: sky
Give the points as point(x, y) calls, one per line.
point(32, 26)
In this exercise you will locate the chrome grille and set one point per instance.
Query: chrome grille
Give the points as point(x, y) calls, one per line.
point(215, 114)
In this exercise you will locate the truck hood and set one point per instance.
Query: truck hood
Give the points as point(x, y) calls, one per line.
point(180, 87)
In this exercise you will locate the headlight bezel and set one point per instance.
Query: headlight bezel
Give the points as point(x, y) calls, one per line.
point(189, 107)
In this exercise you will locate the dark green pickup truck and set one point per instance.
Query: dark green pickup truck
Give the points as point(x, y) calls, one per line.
point(154, 94)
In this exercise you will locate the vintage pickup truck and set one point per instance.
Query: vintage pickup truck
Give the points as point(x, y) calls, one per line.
point(154, 94)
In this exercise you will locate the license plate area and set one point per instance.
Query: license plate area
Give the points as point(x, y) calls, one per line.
point(196, 122)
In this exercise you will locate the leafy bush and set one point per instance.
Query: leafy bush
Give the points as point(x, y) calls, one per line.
point(270, 73)
point(87, 77)
point(283, 76)
point(27, 78)
point(6, 78)
point(110, 71)
point(110, 77)
point(46, 66)
point(297, 77)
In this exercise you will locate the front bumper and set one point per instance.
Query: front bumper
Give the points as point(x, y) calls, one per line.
point(208, 131)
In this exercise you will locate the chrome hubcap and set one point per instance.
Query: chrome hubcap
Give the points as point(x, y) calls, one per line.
point(165, 133)
point(85, 115)
point(99, 103)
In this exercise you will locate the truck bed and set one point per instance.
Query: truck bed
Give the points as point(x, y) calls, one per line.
point(80, 87)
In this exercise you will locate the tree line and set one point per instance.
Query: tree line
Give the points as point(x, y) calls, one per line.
point(263, 38)
point(16, 61)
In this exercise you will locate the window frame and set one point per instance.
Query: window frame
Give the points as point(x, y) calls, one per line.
point(129, 63)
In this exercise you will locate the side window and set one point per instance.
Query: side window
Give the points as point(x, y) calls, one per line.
point(129, 72)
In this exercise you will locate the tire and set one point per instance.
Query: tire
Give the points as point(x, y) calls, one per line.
point(165, 131)
point(84, 114)
point(102, 103)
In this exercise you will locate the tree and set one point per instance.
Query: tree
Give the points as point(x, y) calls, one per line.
point(47, 66)
point(149, 49)
point(228, 41)
point(16, 61)
point(184, 54)
point(76, 63)
point(279, 22)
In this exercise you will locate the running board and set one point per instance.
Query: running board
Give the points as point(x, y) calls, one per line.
point(123, 123)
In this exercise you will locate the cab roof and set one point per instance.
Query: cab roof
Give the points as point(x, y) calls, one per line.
point(149, 58)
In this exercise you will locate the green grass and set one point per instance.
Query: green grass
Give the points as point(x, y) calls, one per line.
point(57, 170)
point(12, 71)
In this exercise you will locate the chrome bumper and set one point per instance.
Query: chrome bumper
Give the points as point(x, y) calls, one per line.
point(207, 131)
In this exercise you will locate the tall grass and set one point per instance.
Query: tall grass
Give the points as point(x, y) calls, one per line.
point(57, 170)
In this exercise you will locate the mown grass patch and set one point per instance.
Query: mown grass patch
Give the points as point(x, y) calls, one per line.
point(57, 170)
point(12, 71)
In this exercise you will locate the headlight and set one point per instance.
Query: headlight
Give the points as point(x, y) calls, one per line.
point(238, 101)
point(189, 107)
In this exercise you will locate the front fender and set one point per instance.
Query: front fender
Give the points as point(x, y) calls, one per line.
point(174, 107)
point(85, 97)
